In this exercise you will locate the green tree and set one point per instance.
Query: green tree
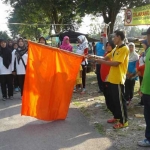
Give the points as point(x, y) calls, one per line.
point(4, 35)
point(29, 17)
point(48, 12)
point(108, 8)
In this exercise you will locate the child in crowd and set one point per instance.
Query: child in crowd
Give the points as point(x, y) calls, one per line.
point(79, 81)
point(131, 74)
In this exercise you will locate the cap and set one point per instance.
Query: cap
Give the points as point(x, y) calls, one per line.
point(147, 32)
point(145, 42)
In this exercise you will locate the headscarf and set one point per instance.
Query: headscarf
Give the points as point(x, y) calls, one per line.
point(83, 45)
point(66, 46)
point(20, 51)
point(6, 54)
point(133, 55)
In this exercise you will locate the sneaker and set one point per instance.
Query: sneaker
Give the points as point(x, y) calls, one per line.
point(112, 120)
point(11, 97)
point(144, 143)
point(83, 91)
point(16, 90)
point(4, 98)
point(120, 125)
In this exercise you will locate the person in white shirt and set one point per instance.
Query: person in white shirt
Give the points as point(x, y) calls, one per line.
point(6, 71)
point(19, 62)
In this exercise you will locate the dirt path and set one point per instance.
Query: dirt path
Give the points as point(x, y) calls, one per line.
point(92, 105)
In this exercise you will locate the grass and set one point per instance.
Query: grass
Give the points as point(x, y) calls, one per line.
point(100, 128)
point(77, 104)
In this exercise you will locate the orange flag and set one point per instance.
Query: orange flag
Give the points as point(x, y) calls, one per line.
point(50, 78)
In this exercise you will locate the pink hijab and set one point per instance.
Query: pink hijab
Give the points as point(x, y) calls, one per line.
point(66, 46)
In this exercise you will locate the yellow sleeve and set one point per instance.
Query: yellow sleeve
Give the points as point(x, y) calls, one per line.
point(121, 55)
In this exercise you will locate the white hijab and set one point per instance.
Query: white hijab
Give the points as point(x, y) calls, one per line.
point(133, 55)
point(83, 45)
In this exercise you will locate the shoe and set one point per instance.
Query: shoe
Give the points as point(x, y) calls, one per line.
point(139, 105)
point(112, 120)
point(4, 98)
point(11, 97)
point(83, 91)
point(120, 125)
point(144, 143)
point(16, 90)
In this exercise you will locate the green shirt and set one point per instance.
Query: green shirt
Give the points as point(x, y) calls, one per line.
point(145, 87)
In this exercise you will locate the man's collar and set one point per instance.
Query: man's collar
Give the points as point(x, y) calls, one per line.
point(121, 46)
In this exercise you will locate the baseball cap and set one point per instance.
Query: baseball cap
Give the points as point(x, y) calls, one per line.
point(147, 32)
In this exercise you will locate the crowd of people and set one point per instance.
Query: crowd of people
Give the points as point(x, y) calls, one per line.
point(118, 66)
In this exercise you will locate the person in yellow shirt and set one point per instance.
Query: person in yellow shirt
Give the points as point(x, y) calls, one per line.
point(116, 79)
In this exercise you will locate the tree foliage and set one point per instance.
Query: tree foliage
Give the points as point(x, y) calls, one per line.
point(46, 12)
point(4, 35)
point(108, 8)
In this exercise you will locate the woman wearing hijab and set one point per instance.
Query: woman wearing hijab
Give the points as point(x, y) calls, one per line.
point(131, 74)
point(19, 62)
point(83, 50)
point(6, 71)
point(42, 40)
point(66, 44)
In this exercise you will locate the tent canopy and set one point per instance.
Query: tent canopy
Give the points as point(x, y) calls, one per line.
point(73, 36)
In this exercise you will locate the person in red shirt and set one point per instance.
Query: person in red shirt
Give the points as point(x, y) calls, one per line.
point(104, 73)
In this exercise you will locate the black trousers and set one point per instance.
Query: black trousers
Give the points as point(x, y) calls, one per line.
point(100, 82)
point(118, 102)
point(146, 100)
point(84, 69)
point(16, 81)
point(129, 89)
point(107, 96)
point(21, 82)
point(140, 79)
point(7, 81)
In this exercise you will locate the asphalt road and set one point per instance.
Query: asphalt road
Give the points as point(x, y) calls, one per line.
point(25, 133)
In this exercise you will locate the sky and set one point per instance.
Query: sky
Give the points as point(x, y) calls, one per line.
point(5, 10)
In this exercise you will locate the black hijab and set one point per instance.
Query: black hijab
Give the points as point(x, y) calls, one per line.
point(5, 53)
point(20, 51)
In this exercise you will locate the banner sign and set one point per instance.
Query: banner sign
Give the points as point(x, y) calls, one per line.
point(137, 16)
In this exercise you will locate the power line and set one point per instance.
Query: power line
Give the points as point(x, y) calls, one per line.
point(35, 24)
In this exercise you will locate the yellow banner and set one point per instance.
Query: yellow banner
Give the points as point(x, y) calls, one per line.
point(137, 16)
